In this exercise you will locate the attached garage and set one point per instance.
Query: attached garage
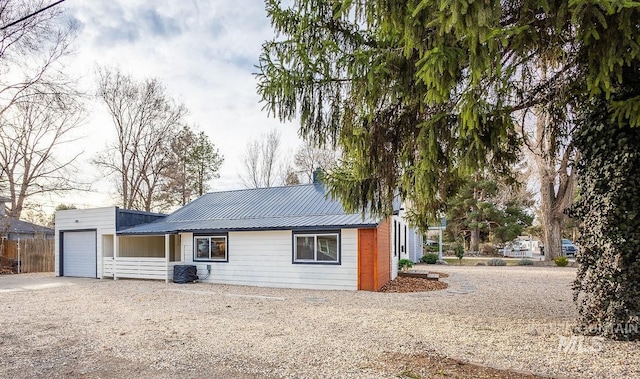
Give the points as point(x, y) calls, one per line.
point(79, 254)
point(85, 237)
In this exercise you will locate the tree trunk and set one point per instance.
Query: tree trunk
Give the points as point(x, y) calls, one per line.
point(552, 238)
point(474, 239)
point(557, 183)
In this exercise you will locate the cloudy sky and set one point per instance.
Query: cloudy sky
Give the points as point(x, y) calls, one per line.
point(203, 51)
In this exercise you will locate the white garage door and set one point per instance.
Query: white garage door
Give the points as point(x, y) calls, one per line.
point(79, 254)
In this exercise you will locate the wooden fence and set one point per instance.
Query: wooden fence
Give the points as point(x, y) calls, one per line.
point(36, 255)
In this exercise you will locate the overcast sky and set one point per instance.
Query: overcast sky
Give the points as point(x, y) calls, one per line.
point(203, 51)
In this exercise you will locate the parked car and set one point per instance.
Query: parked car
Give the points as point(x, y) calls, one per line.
point(568, 248)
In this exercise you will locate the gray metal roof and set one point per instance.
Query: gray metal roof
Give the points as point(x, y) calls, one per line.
point(275, 208)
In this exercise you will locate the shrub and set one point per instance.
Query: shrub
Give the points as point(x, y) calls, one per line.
point(458, 250)
point(429, 258)
point(525, 262)
point(496, 262)
point(561, 261)
point(430, 248)
point(404, 264)
point(489, 249)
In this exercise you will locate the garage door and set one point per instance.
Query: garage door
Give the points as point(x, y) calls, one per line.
point(79, 254)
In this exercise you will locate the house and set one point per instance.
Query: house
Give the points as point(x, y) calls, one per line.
point(293, 237)
point(14, 229)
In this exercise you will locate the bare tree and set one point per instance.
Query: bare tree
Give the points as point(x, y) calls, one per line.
point(552, 154)
point(309, 157)
point(30, 50)
point(146, 119)
point(31, 137)
point(38, 103)
point(547, 130)
point(261, 161)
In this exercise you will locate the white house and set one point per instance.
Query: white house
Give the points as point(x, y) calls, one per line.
point(294, 237)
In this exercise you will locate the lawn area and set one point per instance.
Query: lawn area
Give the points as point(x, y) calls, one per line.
point(475, 261)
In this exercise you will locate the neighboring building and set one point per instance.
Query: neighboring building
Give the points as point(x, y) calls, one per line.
point(293, 237)
point(13, 229)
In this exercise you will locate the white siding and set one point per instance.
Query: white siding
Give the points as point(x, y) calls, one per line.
point(264, 259)
point(102, 220)
point(415, 245)
point(403, 242)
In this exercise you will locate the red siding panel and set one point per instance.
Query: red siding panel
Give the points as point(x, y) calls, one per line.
point(367, 259)
point(383, 259)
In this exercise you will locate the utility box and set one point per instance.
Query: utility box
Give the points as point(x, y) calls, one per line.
point(184, 274)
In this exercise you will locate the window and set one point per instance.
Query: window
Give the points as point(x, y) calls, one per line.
point(316, 248)
point(210, 248)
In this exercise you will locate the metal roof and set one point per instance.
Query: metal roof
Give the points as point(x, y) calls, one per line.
point(276, 208)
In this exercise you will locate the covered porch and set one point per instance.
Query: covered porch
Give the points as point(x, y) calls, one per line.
point(141, 257)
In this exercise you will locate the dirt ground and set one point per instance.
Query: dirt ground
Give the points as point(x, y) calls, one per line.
point(490, 322)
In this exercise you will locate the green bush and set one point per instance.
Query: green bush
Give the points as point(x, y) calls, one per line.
point(525, 262)
point(404, 264)
point(561, 261)
point(431, 248)
point(429, 258)
point(496, 262)
point(459, 251)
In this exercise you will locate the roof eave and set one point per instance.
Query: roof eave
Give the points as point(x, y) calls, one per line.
point(253, 229)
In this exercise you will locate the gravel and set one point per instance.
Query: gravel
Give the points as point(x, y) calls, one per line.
point(518, 318)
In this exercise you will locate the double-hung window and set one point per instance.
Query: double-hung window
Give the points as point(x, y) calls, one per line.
point(316, 247)
point(210, 248)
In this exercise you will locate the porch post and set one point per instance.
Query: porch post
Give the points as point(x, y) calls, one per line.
point(116, 250)
point(167, 255)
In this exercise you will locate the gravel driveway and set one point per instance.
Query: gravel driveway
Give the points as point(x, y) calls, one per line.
point(505, 317)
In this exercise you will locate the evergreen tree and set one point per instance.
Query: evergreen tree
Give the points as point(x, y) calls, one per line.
point(480, 211)
point(416, 93)
point(195, 162)
point(203, 163)
point(419, 94)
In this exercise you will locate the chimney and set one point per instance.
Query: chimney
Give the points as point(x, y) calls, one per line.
point(318, 174)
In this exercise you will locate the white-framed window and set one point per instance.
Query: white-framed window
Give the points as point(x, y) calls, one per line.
point(322, 247)
point(210, 248)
